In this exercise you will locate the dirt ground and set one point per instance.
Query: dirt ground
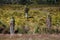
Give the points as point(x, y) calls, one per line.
point(30, 37)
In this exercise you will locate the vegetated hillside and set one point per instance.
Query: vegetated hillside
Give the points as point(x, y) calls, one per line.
point(38, 14)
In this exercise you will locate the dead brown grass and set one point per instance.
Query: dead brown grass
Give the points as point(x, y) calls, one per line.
point(30, 37)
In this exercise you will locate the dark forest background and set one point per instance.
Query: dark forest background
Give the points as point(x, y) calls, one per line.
point(29, 2)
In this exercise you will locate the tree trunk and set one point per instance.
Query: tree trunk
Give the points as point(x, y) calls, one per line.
point(12, 24)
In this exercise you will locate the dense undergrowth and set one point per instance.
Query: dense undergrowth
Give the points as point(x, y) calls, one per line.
point(36, 24)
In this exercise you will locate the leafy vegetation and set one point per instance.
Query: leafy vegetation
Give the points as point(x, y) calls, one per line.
point(35, 24)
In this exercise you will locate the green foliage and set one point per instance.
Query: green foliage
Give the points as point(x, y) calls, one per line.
point(38, 19)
